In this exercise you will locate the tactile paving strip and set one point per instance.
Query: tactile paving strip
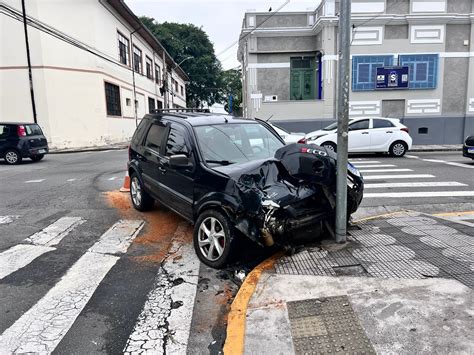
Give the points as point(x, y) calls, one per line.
point(326, 326)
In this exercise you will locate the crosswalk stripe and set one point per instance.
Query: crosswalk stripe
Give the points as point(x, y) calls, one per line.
point(384, 170)
point(414, 184)
point(419, 194)
point(43, 326)
point(20, 255)
point(54, 233)
point(408, 176)
point(368, 162)
point(375, 166)
point(8, 219)
point(33, 181)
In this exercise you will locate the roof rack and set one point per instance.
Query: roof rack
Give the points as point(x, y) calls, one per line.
point(161, 110)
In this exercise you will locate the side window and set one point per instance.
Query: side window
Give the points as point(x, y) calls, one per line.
point(155, 136)
point(176, 143)
point(356, 126)
point(4, 131)
point(382, 123)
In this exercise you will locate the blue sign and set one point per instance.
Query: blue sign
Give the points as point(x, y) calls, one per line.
point(392, 78)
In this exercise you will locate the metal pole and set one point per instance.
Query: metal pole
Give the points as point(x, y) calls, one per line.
point(343, 119)
point(132, 62)
point(28, 58)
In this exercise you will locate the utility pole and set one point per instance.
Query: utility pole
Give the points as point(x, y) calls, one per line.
point(28, 58)
point(343, 118)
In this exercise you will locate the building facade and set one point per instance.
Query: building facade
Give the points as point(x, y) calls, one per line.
point(290, 63)
point(96, 71)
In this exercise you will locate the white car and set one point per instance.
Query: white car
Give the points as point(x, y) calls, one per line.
point(288, 137)
point(367, 135)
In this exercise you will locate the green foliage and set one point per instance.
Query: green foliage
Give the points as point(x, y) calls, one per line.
point(232, 85)
point(204, 69)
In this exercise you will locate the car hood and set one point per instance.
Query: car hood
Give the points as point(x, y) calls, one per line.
point(318, 133)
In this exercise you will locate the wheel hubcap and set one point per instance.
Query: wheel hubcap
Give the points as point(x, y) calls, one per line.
point(211, 238)
point(11, 157)
point(398, 149)
point(136, 191)
point(329, 147)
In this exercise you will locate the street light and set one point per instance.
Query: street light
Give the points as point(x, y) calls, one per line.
point(177, 65)
point(185, 59)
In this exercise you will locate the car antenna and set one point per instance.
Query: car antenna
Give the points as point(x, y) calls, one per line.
point(268, 119)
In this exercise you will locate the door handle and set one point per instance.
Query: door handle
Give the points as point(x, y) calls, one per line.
point(163, 170)
point(389, 132)
point(365, 132)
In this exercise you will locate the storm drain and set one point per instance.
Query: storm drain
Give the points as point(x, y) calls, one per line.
point(327, 326)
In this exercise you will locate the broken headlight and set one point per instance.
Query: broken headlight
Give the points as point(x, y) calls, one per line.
point(353, 169)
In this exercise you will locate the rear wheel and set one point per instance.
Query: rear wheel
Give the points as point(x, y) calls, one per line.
point(37, 157)
point(330, 146)
point(214, 239)
point(12, 157)
point(398, 149)
point(141, 200)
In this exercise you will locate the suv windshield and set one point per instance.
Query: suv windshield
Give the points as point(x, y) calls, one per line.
point(226, 144)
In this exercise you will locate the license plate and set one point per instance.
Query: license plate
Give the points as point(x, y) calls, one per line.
point(42, 151)
point(470, 150)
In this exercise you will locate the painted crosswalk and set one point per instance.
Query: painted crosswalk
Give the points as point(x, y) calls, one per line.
point(384, 180)
point(42, 327)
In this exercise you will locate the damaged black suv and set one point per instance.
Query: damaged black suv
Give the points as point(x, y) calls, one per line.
point(234, 177)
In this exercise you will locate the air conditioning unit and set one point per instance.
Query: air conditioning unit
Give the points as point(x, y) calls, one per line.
point(271, 98)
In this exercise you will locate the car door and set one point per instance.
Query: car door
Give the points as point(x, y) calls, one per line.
point(359, 136)
point(177, 184)
point(382, 134)
point(150, 158)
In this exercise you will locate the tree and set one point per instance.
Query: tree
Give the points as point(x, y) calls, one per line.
point(204, 69)
point(232, 85)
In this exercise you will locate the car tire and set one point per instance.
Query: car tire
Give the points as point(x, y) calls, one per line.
point(12, 157)
point(330, 146)
point(398, 149)
point(214, 228)
point(141, 200)
point(37, 157)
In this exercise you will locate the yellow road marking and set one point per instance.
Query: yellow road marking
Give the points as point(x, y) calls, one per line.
point(447, 214)
point(379, 216)
point(234, 342)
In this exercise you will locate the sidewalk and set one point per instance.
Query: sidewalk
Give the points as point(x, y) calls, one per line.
point(401, 284)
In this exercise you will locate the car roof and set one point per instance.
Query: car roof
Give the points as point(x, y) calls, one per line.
point(199, 118)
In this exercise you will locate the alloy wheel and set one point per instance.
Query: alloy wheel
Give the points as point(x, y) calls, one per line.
point(211, 238)
point(329, 147)
point(136, 191)
point(398, 149)
point(11, 157)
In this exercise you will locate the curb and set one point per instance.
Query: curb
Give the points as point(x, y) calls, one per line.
point(234, 342)
point(90, 149)
point(441, 149)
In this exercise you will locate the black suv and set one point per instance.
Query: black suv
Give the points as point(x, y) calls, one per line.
point(22, 140)
point(468, 147)
point(231, 177)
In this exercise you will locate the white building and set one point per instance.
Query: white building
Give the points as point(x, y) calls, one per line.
point(95, 70)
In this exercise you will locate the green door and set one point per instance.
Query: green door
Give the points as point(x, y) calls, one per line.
point(302, 79)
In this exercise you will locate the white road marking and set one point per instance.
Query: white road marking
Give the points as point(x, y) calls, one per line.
point(419, 194)
point(34, 181)
point(54, 233)
point(460, 165)
point(367, 162)
point(408, 176)
point(414, 184)
point(112, 178)
point(71, 180)
point(8, 219)
point(117, 239)
point(375, 166)
point(20, 255)
point(43, 326)
point(384, 170)
point(150, 332)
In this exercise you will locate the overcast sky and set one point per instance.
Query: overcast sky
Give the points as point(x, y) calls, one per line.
point(221, 19)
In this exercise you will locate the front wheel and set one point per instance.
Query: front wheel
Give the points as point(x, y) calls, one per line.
point(398, 149)
point(37, 157)
point(214, 239)
point(141, 200)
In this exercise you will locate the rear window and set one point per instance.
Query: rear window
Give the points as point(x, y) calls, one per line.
point(155, 136)
point(33, 130)
point(383, 123)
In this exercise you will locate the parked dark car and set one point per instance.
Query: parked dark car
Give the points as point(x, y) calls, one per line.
point(22, 140)
point(234, 177)
point(468, 147)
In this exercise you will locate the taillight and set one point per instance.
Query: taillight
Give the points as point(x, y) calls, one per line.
point(405, 129)
point(21, 131)
point(302, 141)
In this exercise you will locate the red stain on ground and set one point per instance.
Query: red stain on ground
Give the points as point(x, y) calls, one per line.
point(159, 230)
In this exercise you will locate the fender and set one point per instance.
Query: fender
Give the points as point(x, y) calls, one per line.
point(221, 200)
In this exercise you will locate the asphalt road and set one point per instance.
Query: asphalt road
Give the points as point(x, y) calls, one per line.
point(66, 288)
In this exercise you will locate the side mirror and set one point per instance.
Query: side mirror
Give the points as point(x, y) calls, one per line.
point(179, 161)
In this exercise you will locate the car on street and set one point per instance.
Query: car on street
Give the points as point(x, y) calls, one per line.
point(22, 140)
point(234, 177)
point(367, 135)
point(288, 137)
point(468, 147)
